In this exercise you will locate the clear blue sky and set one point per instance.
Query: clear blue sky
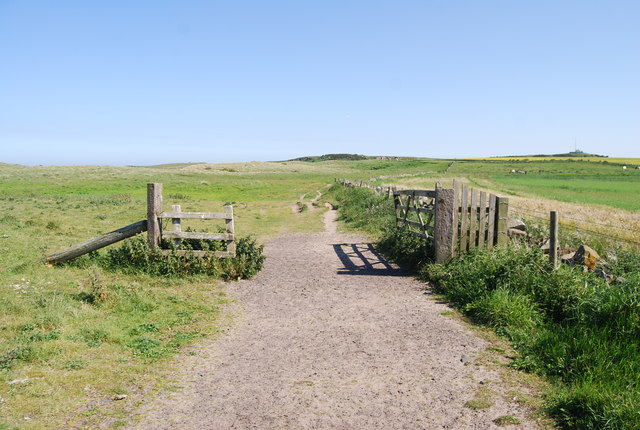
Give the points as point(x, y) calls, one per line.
point(145, 82)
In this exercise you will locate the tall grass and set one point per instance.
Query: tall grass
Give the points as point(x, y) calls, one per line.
point(574, 327)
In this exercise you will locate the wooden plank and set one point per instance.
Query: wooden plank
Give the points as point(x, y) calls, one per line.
point(430, 211)
point(97, 242)
point(482, 220)
point(502, 213)
point(175, 222)
point(553, 239)
point(464, 218)
point(193, 215)
point(154, 208)
point(182, 253)
point(231, 244)
point(491, 228)
point(473, 219)
point(443, 234)
point(415, 233)
point(418, 193)
point(419, 225)
point(456, 208)
point(198, 235)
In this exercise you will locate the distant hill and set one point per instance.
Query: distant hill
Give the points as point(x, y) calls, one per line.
point(328, 157)
point(577, 153)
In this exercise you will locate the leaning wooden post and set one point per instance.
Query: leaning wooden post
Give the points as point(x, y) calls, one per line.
point(177, 227)
point(502, 213)
point(553, 239)
point(443, 225)
point(154, 209)
point(231, 239)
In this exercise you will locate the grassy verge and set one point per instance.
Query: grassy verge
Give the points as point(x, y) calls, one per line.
point(577, 329)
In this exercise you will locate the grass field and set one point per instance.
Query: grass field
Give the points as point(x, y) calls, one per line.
point(65, 331)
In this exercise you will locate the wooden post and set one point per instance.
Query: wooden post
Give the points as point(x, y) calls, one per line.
point(97, 243)
point(491, 228)
point(456, 208)
point(553, 239)
point(482, 218)
point(464, 219)
point(154, 209)
point(473, 219)
point(177, 227)
point(502, 213)
point(443, 228)
point(231, 242)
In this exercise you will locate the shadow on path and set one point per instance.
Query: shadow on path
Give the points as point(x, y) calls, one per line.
point(363, 259)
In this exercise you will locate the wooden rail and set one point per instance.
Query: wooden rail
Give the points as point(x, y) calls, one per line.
point(96, 243)
point(154, 209)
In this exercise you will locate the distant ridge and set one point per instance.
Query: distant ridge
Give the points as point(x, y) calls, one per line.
point(328, 157)
point(577, 153)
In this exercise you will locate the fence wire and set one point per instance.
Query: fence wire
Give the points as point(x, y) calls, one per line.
point(544, 216)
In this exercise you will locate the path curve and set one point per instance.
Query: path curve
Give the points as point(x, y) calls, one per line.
point(330, 336)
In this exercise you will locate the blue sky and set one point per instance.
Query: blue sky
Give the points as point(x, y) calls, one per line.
point(146, 82)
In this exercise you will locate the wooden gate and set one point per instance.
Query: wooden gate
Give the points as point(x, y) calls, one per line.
point(415, 211)
point(456, 219)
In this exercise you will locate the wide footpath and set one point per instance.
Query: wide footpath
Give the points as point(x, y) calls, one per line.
point(330, 336)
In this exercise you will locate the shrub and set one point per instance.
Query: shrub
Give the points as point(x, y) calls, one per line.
point(135, 256)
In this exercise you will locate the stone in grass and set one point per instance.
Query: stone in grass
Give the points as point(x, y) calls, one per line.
point(587, 256)
point(516, 224)
point(506, 420)
point(120, 397)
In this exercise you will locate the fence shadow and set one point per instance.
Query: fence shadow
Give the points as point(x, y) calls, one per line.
point(363, 259)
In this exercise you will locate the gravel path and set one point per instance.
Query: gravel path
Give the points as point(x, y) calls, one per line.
point(330, 336)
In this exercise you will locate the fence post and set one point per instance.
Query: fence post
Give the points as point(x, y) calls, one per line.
point(502, 213)
point(443, 225)
point(231, 243)
point(177, 227)
point(154, 208)
point(553, 239)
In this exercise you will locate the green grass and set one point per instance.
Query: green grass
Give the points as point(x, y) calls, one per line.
point(573, 327)
point(69, 329)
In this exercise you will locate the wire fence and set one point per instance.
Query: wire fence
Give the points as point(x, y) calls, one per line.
point(579, 225)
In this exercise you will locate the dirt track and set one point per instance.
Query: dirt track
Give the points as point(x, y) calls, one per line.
point(330, 336)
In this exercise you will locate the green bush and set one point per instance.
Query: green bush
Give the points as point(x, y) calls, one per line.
point(363, 209)
point(135, 256)
point(574, 327)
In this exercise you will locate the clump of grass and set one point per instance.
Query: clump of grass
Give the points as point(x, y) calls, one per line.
point(574, 327)
point(506, 420)
point(481, 401)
